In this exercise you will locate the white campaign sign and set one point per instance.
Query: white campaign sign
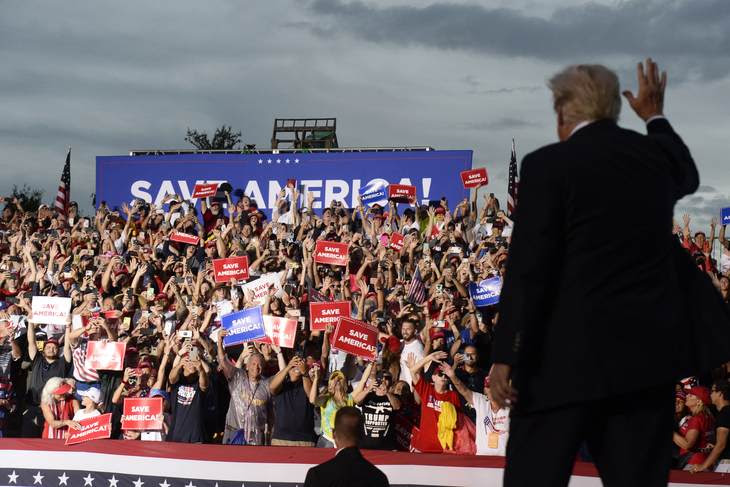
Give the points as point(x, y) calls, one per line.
point(260, 287)
point(49, 310)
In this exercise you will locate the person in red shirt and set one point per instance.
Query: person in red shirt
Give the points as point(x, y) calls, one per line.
point(692, 437)
point(433, 395)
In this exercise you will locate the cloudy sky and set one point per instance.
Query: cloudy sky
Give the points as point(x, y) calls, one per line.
point(107, 77)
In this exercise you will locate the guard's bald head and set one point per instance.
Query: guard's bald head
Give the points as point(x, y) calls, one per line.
point(348, 427)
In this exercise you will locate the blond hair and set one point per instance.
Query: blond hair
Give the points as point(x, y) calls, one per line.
point(586, 92)
point(51, 385)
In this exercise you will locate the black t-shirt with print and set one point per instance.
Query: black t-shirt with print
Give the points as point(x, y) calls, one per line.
point(377, 422)
point(187, 411)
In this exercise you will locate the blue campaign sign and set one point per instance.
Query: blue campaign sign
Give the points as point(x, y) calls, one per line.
point(329, 176)
point(375, 192)
point(243, 326)
point(486, 292)
point(726, 216)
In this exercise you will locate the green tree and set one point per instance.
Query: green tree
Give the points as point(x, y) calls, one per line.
point(30, 198)
point(223, 139)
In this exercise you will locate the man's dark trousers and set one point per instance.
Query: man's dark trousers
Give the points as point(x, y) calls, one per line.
point(628, 436)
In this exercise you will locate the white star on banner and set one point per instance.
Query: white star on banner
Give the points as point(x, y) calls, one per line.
point(138, 482)
point(13, 477)
point(278, 161)
point(164, 483)
point(261, 161)
point(63, 479)
point(287, 161)
point(268, 161)
point(190, 484)
point(88, 480)
point(38, 478)
point(296, 161)
point(113, 481)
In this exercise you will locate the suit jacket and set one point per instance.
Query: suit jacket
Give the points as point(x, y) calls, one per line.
point(593, 303)
point(347, 469)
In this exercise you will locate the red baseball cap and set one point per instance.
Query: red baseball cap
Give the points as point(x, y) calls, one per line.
point(702, 393)
point(63, 389)
point(436, 333)
point(394, 345)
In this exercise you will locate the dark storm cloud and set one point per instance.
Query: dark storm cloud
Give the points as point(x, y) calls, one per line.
point(702, 207)
point(693, 33)
point(504, 123)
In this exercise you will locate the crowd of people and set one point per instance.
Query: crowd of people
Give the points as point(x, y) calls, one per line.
point(427, 390)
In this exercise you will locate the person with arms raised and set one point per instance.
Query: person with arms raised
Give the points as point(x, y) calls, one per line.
point(603, 311)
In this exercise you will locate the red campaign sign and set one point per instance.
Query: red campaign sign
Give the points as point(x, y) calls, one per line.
point(396, 241)
point(402, 193)
point(142, 413)
point(279, 331)
point(105, 355)
point(230, 268)
point(327, 252)
point(205, 190)
point(96, 428)
point(323, 314)
point(474, 178)
point(356, 337)
point(184, 238)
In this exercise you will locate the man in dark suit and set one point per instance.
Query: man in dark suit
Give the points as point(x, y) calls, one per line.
point(589, 339)
point(348, 468)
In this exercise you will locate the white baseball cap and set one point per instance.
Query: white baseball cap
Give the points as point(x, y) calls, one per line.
point(92, 393)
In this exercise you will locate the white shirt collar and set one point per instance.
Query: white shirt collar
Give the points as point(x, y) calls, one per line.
point(579, 126)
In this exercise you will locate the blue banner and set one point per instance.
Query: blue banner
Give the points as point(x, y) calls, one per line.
point(726, 216)
point(486, 292)
point(332, 176)
point(243, 326)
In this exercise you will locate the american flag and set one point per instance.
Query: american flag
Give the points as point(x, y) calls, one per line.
point(64, 187)
point(416, 291)
point(316, 296)
point(514, 181)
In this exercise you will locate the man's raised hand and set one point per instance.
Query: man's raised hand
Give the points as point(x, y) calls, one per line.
point(649, 101)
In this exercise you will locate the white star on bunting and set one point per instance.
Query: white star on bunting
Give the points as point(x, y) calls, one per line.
point(13, 477)
point(287, 161)
point(38, 478)
point(164, 483)
point(261, 161)
point(113, 481)
point(88, 480)
point(268, 161)
point(296, 161)
point(190, 484)
point(138, 482)
point(278, 161)
point(63, 479)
